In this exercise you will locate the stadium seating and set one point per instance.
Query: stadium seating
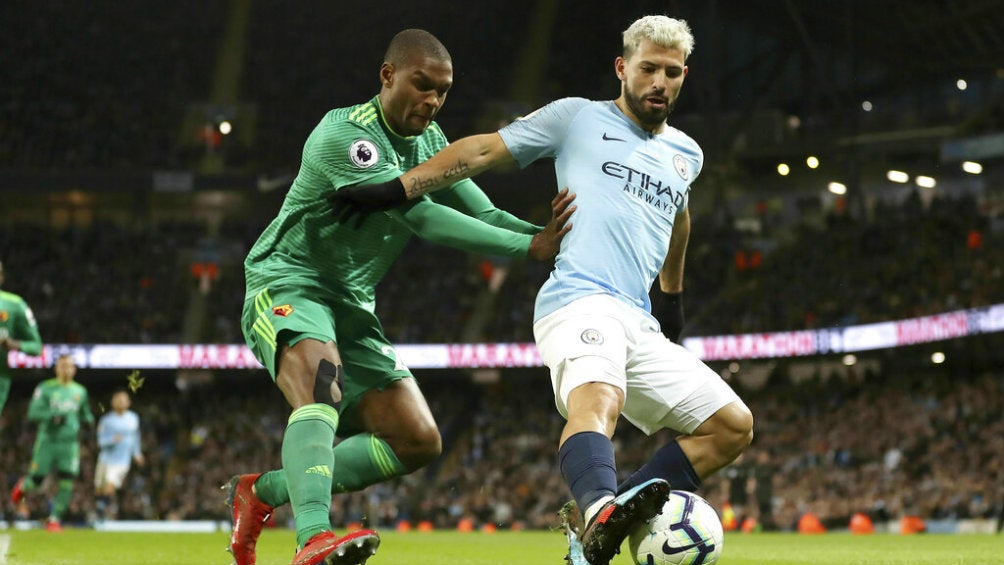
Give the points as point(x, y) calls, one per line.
point(110, 89)
point(499, 468)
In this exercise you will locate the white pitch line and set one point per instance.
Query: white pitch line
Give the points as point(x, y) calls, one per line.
point(4, 546)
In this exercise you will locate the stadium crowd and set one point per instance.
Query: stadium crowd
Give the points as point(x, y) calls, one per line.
point(927, 260)
point(884, 443)
point(106, 86)
point(887, 443)
point(103, 284)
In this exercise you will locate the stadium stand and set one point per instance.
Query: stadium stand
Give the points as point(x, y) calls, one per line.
point(933, 260)
point(926, 443)
point(108, 96)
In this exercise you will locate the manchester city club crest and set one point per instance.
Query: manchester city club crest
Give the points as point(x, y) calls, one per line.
point(681, 166)
point(363, 153)
point(593, 337)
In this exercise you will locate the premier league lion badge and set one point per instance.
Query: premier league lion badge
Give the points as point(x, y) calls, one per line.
point(363, 153)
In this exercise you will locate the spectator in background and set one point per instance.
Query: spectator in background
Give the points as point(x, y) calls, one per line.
point(761, 476)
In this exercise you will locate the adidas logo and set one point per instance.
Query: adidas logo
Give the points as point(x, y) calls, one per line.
point(319, 470)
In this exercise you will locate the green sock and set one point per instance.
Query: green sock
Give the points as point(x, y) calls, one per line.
point(307, 458)
point(363, 460)
point(29, 483)
point(271, 488)
point(63, 495)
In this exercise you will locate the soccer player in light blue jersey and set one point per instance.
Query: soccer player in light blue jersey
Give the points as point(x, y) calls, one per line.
point(593, 321)
point(119, 445)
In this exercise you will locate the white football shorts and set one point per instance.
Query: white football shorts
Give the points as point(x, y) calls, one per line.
point(109, 473)
point(599, 338)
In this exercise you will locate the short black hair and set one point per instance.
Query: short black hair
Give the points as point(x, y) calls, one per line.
point(415, 41)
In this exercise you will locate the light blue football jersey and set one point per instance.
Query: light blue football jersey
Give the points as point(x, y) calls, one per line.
point(629, 186)
point(118, 437)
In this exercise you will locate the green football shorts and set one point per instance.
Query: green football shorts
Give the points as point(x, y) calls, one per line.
point(60, 456)
point(286, 315)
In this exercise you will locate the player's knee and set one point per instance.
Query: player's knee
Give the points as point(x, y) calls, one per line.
point(422, 446)
point(738, 431)
point(329, 380)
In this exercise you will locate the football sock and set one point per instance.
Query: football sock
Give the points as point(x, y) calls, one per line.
point(271, 488)
point(586, 461)
point(669, 463)
point(62, 499)
point(363, 460)
point(308, 459)
point(30, 483)
point(4, 391)
point(594, 508)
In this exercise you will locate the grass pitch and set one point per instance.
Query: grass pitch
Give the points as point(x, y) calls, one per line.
point(87, 547)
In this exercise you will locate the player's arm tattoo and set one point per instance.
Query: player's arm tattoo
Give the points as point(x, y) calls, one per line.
point(420, 185)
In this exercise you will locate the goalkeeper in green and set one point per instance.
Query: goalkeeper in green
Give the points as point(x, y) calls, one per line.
point(309, 309)
point(18, 332)
point(59, 406)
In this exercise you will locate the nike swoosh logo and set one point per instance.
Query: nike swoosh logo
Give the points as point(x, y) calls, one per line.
point(608, 138)
point(666, 548)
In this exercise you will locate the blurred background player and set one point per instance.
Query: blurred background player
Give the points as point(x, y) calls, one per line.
point(119, 445)
point(18, 332)
point(309, 307)
point(761, 489)
point(59, 406)
point(608, 355)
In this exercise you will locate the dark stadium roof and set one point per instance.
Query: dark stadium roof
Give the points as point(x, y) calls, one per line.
point(855, 47)
point(109, 84)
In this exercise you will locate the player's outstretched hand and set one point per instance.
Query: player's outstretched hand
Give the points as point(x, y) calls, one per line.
point(354, 203)
point(544, 246)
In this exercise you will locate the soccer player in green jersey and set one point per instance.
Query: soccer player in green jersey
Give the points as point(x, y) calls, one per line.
point(18, 332)
point(58, 406)
point(309, 309)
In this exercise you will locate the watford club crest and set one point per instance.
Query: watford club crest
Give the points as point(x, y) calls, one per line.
point(4, 316)
point(284, 310)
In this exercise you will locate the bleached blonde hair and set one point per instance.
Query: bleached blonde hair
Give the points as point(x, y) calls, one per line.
point(661, 30)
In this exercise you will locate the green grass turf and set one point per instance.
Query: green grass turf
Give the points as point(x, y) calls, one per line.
point(86, 547)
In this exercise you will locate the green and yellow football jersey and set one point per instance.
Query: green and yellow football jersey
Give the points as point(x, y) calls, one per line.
point(17, 322)
point(69, 401)
point(304, 244)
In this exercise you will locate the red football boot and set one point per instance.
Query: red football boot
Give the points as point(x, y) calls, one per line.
point(17, 493)
point(249, 515)
point(328, 549)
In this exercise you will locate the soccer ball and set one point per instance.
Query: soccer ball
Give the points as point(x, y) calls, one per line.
point(688, 532)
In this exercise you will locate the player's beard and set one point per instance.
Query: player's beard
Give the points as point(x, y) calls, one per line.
point(646, 114)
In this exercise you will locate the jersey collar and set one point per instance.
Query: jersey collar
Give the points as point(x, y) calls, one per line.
point(383, 120)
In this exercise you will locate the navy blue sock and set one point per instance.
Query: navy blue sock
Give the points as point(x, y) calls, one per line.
point(587, 463)
point(669, 463)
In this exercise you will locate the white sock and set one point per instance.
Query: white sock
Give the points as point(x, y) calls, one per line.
point(595, 507)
